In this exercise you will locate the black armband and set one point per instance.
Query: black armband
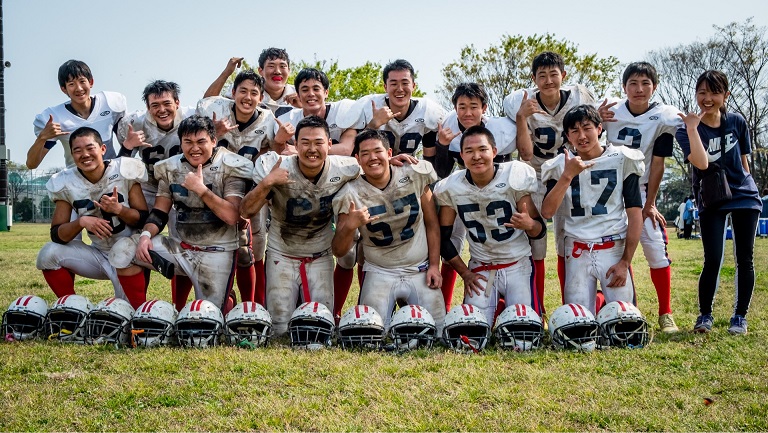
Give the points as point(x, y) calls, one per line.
point(543, 229)
point(124, 151)
point(55, 235)
point(431, 159)
point(143, 215)
point(447, 250)
point(443, 161)
point(158, 218)
point(429, 140)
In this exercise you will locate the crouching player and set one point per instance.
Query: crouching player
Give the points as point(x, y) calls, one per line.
point(494, 203)
point(600, 195)
point(107, 199)
point(205, 185)
point(394, 210)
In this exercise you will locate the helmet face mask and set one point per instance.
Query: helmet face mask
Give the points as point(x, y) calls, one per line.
point(466, 328)
point(573, 326)
point(25, 318)
point(412, 327)
point(519, 328)
point(361, 327)
point(152, 324)
point(199, 324)
point(311, 326)
point(248, 325)
point(66, 319)
point(109, 323)
point(623, 325)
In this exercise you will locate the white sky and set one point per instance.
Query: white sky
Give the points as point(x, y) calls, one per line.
point(129, 43)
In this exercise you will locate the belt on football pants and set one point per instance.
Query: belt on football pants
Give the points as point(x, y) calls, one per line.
point(492, 274)
point(303, 271)
point(190, 247)
point(578, 247)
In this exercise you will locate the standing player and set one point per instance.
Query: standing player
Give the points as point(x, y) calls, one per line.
point(101, 112)
point(394, 211)
point(599, 195)
point(107, 199)
point(539, 114)
point(494, 203)
point(637, 123)
point(300, 189)
point(205, 185)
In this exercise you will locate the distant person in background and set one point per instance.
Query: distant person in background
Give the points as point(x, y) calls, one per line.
point(764, 199)
point(688, 217)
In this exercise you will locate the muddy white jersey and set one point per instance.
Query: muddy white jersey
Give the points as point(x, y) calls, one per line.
point(404, 136)
point(503, 129)
point(593, 206)
point(255, 137)
point(398, 238)
point(225, 174)
point(483, 211)
point(108, 108)
point(72, 187)
point(279, 106)
point(546, 130)
point(641, 131)
point(339, 116)
point(302, 210)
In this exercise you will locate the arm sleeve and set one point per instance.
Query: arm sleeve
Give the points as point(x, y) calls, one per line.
point(682, 139)
point(663, 145)
point(429, 140)
point(631, 191)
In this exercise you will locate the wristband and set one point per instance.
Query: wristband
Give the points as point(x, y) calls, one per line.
point(146, 233)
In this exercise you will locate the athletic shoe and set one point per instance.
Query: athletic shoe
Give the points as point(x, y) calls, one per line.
point(667, 324)
point(165, 267)
point(738, 325)
point(703, 323)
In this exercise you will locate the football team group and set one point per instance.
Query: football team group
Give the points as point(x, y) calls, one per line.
point(285, 193)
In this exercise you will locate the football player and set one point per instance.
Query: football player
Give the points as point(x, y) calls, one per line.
point(300, 189)
point(394, 211)
point(205, 185)
point(637, 123)
point(107, 199)
point(599, 195)
point(101, 112)
point(538, 114)
point(493, 201)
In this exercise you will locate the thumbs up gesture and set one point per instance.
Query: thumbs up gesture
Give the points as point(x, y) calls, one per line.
point(521, 220)
point(193, 181)
point(278, 175)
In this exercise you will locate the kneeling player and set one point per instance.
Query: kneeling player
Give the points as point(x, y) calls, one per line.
point(494, 203)
point(107, 198)
point(394, 210)
point(600, 199)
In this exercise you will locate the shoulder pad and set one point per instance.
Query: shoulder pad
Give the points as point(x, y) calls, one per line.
point(522, 177)
point(342, 199)
point(236, 165)
point(135, 119)
point(584, 94)
point(633, 154)
point(348, 113)
point(290, 116)
point(552, 169)
point(263, 165)
point(116, 101)
point(434, 113)
point(670, 116)
point(161, 168)
point(422, 167)
point(132, 169)
point(363, 106)
point(41, 119)
point(512, 102)
point(504, 131)
point(347, 165)
point(215, 104)
point(186, 111)
point(58, 182)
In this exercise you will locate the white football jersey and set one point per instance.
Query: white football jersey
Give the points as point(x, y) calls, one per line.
point(546, 130)
point(404, 136)
point(398, 239)
point(339, 116)
point(225, 175)
point(73, 188)
point(254, 139)
point(280, 106)
point(593, 207)
point(483, 211)
point(302, 211)
point(108, 108)
point(503, 129)
point(641, 131)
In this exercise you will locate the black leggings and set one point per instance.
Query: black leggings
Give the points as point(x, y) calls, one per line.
point(744, 223)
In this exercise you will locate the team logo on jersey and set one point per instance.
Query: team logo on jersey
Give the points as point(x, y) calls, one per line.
point(500, 185)
point(405, 179)
point(653, 118)
point(613, 154)
point(419, 120)
point(258, 132)
point(214, 168)
point(105, 113)
point(335, 179)
point(333, 125)
point(113, 177)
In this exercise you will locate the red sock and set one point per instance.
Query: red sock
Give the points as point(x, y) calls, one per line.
point(134, 288)
point(561, 277)
point(538, 282)
point(449, 280)
point(246, 282)
point(662, 280)
point(500, 306)
point(360, 277)
point(230, 303)
point(342, 281)
point(599, 301)
point(260, 295)
point(181, 293)
point(61, 281)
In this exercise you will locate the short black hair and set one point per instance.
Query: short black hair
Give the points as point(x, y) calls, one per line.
point(640, 68)
point(312, 122)
point(399, 65)
point(547, 59)
point(470, 90)
point(248, 74)
point(273, 53)
point(72, 69)
point(478, 130)
point(85, 131)
point(195, 123)
point(158, 87)
point(311, 74)
point(368, 134)
point(579, 114)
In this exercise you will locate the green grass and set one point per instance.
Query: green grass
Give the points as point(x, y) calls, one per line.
point(52, 387)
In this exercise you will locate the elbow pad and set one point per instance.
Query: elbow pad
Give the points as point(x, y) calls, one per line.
point(447, 250)
point(55, 235)
point(143, 215)
point(543, 228)
point(158, 218)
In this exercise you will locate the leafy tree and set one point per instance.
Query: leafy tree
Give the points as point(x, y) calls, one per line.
point(25, 210)
point(506, 66)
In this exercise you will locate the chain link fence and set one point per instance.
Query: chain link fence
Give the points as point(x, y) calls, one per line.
point(27, 194)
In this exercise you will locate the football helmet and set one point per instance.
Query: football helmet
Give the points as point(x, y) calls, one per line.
point(361, 327)
point(311, 326)
point(199, 324)
point(623, 325)
point(519, 327)
point(109, 322)
point(25, 318)
point(573, 326)
point(66, 318)
point(249, 325)
point(152, 324)
point(411, 327)
point(466, 328)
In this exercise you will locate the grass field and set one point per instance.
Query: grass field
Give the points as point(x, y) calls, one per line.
point(51, 387)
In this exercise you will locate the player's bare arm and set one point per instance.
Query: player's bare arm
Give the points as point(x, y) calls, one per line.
point(432, 226)
point(618, 272)
point(257, 197)
point(573, 166)
point(527, 218)
point(698, 156)
point(346, 143)
point(218, 84)
point(655, 174)
point(472, 282)
point(527, 108)
point(37, 151)
point(226, 208)
point(346, 226)
point(130, 215)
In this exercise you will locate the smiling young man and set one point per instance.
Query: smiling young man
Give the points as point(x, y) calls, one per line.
point(638, 123)
point(493, 201)
point(393, 208)
point(598, 194)
point(300, 189)
point(101, 112)
point(107, 199)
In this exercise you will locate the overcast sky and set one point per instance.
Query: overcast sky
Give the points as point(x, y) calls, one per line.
point(129, 43)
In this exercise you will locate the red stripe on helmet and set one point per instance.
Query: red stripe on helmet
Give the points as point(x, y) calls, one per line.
point(357, 311)
point(623, 306)
point(62, 300)
point(109, 301)
point(315, 306)
point(581, 308)
point(196, 305)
